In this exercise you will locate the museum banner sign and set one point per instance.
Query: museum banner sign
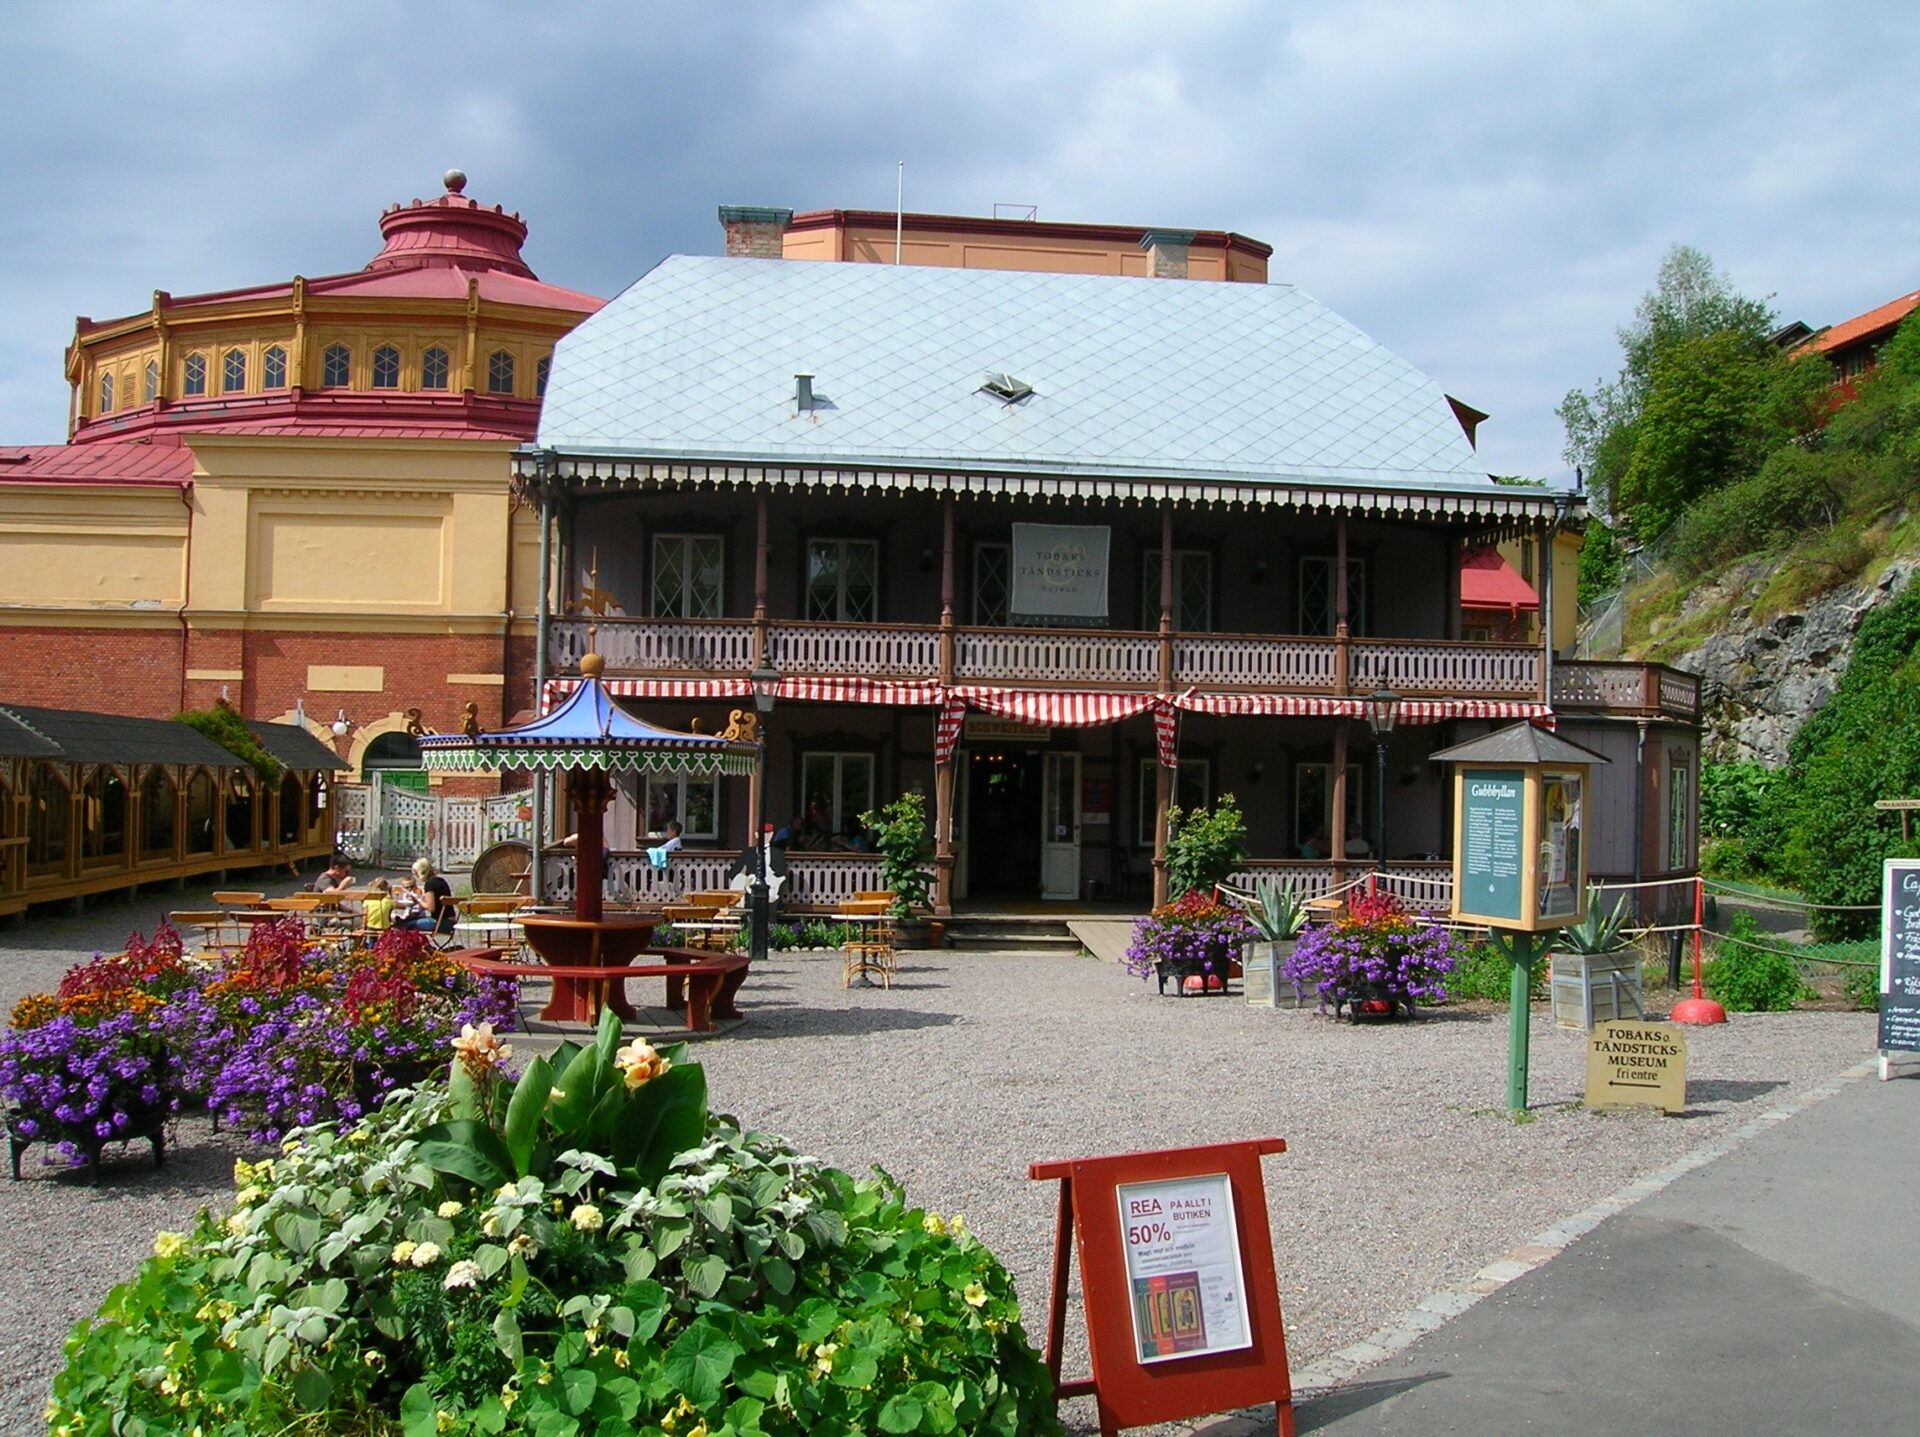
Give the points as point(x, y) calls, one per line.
point(1060, 574)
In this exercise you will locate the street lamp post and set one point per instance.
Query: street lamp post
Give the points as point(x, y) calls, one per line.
point(766, 686)
point(1383, 708)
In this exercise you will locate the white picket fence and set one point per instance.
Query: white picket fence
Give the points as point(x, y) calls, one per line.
point(814, 880)
point(390, 827)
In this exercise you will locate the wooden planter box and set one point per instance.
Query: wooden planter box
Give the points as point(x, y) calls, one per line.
point(1592, 988)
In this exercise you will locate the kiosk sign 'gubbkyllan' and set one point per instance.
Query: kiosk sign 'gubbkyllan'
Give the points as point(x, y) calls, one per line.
point(1183, 1268)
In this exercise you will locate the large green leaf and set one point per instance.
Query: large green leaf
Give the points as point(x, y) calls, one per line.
point(524, 1112)
point(582, 1079)
point(699, 1361)
point(606, 1041)
point(663, 1119)
point(466, 1148)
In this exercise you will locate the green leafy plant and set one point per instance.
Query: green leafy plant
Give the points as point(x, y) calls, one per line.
point(224, 727)
point(1600, 931)
point(900, 835)
point(1862, 986)
point(584, 1250)
point(1276, 911)
point(1749, 975)
point(1486, 973)
point(1204, 846)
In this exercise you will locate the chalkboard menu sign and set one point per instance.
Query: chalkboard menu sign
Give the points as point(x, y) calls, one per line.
point(1900, 957)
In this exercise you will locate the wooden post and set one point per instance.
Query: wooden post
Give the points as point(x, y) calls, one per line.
point(759, 579)
point(1337, 820)
point(943, 776)
point(946, 592)
point(590, 792)
point(1162, 775)
point(1342, 634)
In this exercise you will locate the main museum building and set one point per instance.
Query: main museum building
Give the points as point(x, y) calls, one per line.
point(1059, 525)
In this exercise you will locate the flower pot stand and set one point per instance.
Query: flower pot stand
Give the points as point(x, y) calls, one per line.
point(153, 1129)
point(1190, 976)
point(1375, 1005)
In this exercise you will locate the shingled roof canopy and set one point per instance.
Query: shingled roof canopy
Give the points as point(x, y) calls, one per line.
point(1519, 743)
point(81, 737)
point(18, 740)
point(295, 747)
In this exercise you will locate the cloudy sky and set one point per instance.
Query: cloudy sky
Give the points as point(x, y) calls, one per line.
point(1486, 188)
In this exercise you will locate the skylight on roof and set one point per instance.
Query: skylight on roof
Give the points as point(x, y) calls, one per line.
point(1006, 387)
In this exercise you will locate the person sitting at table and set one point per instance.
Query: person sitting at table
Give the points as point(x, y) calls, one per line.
point(657, 855)
point(408, 904)
point(438, 913)
point(376, 914)
point(338, 877)
point(1318, 846)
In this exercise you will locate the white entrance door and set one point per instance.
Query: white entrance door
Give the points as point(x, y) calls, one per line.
point(1060, 830)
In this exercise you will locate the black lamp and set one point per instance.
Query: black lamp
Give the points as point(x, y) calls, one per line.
point(766, 687)
point(1383, 708)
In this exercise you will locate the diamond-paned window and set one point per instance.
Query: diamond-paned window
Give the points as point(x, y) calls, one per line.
point(1192, 590)
point(434, 368)
point(336, 366)
point(843, 580)
point(500, 372)
point(688, 576)
point(1317, 613)
point(992, 584)
point(193, 379)
point(273, 368)
point(386, 367)
point(233, 371)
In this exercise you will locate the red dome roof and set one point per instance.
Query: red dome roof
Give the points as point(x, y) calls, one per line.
point(452, 232)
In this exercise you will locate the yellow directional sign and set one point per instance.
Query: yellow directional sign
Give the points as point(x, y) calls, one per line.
point(1642, 1064)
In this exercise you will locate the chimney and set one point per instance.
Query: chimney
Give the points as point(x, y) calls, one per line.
point(1167, 249)
point(754, 232)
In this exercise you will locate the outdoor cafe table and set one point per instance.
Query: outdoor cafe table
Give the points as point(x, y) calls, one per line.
point(501, 932)
point(611, 943)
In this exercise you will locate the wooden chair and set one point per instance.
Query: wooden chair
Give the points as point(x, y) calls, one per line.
point(872, 950)
point(489, 905)
point(235, 898)
point(874, 895)
point(691, 920)
point(218, 931)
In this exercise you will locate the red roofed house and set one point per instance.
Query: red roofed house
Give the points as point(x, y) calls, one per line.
point(1853, 345)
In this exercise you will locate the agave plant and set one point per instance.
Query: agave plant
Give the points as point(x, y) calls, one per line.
point(1601, 931)
point(1275, 910)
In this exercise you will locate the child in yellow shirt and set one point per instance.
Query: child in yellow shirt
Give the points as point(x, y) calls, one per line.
point(377, 913)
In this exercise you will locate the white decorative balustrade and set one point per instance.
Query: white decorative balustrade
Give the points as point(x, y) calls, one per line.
point(1626, 687)
point(1428, 666)
point(1252, 661)
point(814, 880)
point(703, 646)
point(1057, 655)
point(1421, 884)
point(892, 651)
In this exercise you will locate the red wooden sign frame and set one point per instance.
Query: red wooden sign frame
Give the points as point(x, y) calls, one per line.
point(1135, 1394)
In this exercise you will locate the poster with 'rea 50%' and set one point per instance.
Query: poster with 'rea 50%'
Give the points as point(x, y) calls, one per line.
point(1184, 1276)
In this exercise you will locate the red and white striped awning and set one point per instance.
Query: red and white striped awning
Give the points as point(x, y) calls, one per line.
point(1052, 709)
point(840, 689)
point(1354, 706)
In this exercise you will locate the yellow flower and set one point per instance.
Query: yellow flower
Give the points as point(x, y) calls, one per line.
point(699, 1429)
point(957, 1224)
point(237, 1224)
point(490, 1226)
point(587, 1218)
point(452, 1207)
point(506, 1190)
point(358, 1135)
point(426, 1255)
point(523, 1245)
point(620, 1358)
point(509, 1395)
point(934, 1224)
point(480, 1049)
point(248, 1196)
point(403, 1253)
point(823, 1357)
point(242, 1172)
point(975, 1294)
point(639, 1063)
point(169, 1244)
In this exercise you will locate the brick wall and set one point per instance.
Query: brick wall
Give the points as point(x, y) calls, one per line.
point(124, 671)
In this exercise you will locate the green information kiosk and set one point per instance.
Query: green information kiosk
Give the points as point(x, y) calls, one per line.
point(1519, 852)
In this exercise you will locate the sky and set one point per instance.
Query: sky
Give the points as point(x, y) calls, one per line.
point(1485, 188)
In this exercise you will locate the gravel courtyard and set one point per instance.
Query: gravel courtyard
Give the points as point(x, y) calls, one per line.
point(1403, 1174)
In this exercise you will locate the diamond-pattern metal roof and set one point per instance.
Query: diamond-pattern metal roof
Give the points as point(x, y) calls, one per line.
point(696, 361)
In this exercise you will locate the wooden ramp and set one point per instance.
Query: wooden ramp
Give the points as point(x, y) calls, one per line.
point(1105, 938)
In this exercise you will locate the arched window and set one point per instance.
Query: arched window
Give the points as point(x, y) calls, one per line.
point(273, 368)
point(540, 372)
point(153, 382)
point(500, 372)
point(202, 802)
point(386, 367)
point(240, 803)
point(106, 394)
point(157, 814)
point(433, 369)
point(233, 372)
point(103, 813)
point(195, 381)
point(49, 819)
point(335, 366)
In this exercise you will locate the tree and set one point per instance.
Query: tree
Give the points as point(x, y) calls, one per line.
point(1690, 302)
point(1703, 423)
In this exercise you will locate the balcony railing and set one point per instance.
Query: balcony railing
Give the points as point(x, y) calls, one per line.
point(669, 648)
point(1649, 690)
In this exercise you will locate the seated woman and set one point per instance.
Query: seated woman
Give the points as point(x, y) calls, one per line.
point(438, 913)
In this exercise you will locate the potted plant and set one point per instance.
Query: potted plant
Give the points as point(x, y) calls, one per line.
point(1594, 968)
point(1376, 960)
point(900, 837)
point(1204, 846)
point(1193, 940)
point(1277, 914)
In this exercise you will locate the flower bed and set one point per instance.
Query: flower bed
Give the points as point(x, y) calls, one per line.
point(582, 1250)
point(1376, 954)
point(1192, 937)
point(280, 1034)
